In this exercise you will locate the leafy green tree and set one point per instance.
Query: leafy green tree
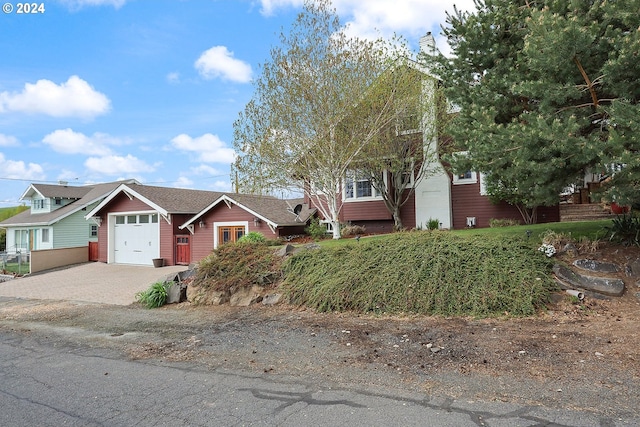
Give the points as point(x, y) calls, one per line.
point(298, 130)
point(547, 89)
point(405, 152)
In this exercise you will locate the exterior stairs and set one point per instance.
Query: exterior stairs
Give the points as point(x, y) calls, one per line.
point(584, 212)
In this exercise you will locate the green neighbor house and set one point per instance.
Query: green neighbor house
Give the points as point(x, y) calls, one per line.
point(54, 231)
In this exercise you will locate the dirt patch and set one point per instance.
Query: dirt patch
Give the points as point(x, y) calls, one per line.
point(580, 355)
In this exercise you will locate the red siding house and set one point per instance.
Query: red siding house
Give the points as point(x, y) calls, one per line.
point(455, 201)
point(138, 223)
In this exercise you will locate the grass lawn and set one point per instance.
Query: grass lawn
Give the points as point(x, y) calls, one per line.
point(16, 268)
point(593, 230)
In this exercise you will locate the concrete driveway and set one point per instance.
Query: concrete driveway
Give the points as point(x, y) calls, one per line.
point(91, 282)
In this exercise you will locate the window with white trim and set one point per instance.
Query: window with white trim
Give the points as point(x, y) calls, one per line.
point(468, 177)
point(358, 186)
point(45, 235)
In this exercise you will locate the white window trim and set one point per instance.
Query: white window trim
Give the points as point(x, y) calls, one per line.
point(361, 199)
point(217, 225)
point(483, 184)
point(474, 175)
point(461, 181)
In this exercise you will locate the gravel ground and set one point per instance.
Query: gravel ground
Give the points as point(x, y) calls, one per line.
point(582, 356)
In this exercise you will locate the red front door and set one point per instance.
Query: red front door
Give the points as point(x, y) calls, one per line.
point(183, 250)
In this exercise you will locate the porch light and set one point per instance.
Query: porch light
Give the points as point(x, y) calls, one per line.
point(202, 224)
point(256, 221)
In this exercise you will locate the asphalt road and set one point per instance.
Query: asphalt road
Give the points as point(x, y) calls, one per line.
point(46, 383)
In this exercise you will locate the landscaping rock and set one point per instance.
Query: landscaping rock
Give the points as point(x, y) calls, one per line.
point(246, 296)
point(635, 268)
point(271, 299)
point(597, 266)
point(199, 296)
point(570, 250)
point(602, 285)
point(6, 277)
point(286, 250)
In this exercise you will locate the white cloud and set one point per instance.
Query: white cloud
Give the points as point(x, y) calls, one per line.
point(173, 77)
point(74, 98)
point(383, 18)
point(209, 147)
point(69, 142)
point(19, 170)
point(221, 186)
point(117, 165)
point(219, 62)
point(183, 182)
point(269, 6)
point(206, 170)
point(79, 4)
point(8, 141)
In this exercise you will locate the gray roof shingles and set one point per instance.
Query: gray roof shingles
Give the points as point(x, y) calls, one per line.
point(88, 195)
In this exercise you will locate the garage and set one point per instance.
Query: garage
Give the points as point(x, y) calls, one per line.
point(136, 238)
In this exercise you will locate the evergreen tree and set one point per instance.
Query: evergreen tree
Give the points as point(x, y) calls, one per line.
point(546, 90)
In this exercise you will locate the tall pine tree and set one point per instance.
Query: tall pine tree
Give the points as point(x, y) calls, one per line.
point(546, 90)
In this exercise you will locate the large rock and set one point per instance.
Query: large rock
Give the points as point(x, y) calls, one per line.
point(597, 266)
point(197, 295)
point(246, 296)
point(634, 268)
point(602, 285)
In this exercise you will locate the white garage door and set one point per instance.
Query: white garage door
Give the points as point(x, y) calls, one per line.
point(136, 239)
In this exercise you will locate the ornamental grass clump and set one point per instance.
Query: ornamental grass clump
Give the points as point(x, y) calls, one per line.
point(155, 296)
point(424, 273)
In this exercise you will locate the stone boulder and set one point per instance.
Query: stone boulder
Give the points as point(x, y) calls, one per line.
point(597, 266)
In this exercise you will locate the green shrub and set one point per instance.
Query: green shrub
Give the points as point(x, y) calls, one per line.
point(252, 237)
point(316, 230)
point(433, 224)
point(155, 296)
point(424, 273)
point(625, 229)
point(503, 222)
point(233, 266)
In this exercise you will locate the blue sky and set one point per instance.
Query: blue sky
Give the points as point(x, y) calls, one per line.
point(101, 90)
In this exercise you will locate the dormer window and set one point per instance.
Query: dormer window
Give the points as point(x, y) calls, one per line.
point(58, 201)
point(38, 204)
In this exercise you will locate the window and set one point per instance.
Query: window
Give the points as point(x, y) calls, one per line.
point(45, 235)
point(119, 220)
point(228, 234)
point(467, 177)
point(58, 201)
point(93, 230)
point(38, 204)
point(154, 218)
point(132, 219)
point(358, 186)
point(144, 219)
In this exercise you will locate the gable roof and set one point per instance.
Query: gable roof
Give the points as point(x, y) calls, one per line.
point(87, 196)
point(48, 191)
point(275, 212)
point(165, 200)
